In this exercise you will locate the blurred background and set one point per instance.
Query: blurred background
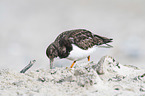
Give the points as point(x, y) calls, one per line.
point(27, 27)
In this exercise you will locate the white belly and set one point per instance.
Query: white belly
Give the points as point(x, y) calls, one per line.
point(78, 53)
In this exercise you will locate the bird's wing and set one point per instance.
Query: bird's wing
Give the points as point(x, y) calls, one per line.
point(85, 39)
point(82, 38)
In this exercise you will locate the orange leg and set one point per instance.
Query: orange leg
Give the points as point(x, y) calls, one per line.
point(73, 64)
point(88, 58)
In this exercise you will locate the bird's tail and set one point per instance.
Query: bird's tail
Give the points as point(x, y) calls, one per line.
point(104, 41)
point(104, 46)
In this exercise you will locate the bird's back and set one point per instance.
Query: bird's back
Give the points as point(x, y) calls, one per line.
point(82, 38)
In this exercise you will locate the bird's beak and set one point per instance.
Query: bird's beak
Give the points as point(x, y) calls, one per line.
point(51, 63)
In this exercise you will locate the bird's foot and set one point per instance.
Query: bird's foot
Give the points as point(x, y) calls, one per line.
point(72, 64)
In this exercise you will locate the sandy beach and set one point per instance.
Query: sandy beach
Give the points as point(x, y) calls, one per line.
point(28, 27)
point(105, 78)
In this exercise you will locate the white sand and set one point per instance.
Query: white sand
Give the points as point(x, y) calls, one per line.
point(107, 78)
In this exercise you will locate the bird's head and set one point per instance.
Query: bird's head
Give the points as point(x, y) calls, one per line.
point(51, 53)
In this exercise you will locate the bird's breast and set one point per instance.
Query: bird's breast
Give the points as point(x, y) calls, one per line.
point(78, 53)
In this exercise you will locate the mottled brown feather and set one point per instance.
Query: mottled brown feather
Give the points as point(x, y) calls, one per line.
point(84, 39)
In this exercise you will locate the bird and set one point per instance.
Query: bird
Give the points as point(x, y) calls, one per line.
point(75, 45)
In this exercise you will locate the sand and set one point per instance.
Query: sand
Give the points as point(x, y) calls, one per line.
point(105, 78)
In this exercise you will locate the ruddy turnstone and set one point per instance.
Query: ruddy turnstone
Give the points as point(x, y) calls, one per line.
point(75, 45)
